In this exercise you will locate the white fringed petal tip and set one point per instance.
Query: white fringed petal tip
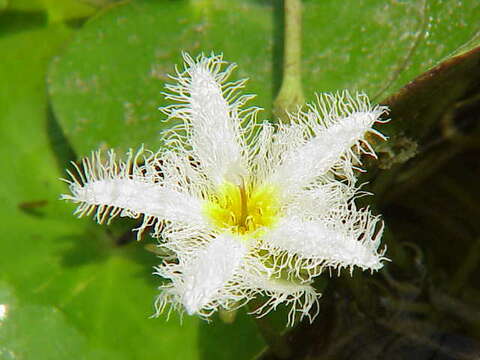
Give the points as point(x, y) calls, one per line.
point(246, 209)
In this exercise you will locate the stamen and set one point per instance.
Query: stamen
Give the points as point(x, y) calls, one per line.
point(241, 209)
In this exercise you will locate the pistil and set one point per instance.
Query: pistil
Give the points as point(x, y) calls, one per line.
point(243, 206)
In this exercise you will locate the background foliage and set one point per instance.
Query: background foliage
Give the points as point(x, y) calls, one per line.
point(78, 75)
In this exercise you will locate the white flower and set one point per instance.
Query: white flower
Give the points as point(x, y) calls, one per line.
point(245, 209)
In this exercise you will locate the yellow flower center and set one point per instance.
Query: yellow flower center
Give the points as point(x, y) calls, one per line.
point(242, 209)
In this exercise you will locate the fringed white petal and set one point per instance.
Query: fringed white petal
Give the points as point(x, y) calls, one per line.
point(110, 187)
point(328, 137)
point(301, 298)
point(307, 247)
point(202, 281)
point(316, 202)
point(210, 110)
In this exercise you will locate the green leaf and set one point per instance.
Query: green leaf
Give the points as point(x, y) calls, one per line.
point(105, 88)
point(377, 46)
point(66, 289)
point(57, 11)
point(32, 331)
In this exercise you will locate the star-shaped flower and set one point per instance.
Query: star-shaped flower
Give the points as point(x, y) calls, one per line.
point(245, 209)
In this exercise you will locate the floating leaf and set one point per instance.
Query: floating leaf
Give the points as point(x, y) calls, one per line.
point(105, 87)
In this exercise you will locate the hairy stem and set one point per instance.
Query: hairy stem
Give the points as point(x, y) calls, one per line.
point(290, 96)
